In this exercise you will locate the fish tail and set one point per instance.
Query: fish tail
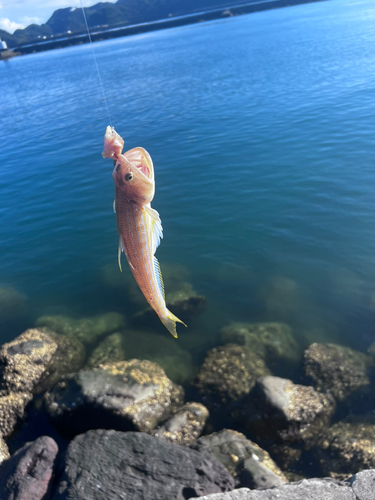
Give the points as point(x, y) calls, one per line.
point(169, 321)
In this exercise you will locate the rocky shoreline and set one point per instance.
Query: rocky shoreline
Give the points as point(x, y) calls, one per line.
point(103, 408)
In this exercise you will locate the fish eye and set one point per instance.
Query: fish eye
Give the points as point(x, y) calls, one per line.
point(129, 176)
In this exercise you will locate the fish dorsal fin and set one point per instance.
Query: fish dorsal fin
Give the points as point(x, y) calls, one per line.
point(156, 227)
point(158, 276)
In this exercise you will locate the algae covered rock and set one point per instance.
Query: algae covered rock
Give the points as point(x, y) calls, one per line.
point(336, 369)
point(280, 410)
point(36, 359)
point(23, 362)
point(269, 340)
point(86, 330)
point(108, 351)
point(13, 304)
point(12, 410)
point(124, 395)
point(246, 461)
point(185, 426)
point(69, 357)
point(161, 349)
point(112, 465)
point(228, 373)
point(348, 446)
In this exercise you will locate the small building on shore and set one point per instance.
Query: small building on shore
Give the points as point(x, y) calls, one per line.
point(3, 45)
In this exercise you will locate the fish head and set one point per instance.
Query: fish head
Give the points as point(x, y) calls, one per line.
point(113, 143)
point(134, 176)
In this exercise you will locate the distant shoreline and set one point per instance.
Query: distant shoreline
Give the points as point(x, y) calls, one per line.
point(120, 31)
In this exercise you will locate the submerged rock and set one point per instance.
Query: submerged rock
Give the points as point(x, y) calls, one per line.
point(246, 461)
point(281, 296)
point(13, 304)
point(108, 351)
point(348, 446)
point(110, 465)
point(124, 395)
point(12, 410)
point(278, 409)
point(86, 330)
point(183, 302)
point(161, 349)
point(336, 369)
point(27, 474)
point(185, 426)
point(228, 373)
point(269, 340)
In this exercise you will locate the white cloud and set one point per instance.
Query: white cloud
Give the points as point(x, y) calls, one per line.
point(31, 20)
point(10, 26)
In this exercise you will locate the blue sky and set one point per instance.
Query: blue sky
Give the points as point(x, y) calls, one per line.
point(16, 14)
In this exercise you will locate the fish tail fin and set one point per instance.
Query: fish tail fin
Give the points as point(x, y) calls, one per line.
point(169, 321)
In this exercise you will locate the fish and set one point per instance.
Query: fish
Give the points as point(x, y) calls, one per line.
point(139, 225)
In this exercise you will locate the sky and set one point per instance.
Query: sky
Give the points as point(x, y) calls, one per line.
point(16, 14)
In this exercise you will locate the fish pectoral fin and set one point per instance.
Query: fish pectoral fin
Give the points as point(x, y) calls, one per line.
point(152, 213)
point(121, 248)
point(156, 227)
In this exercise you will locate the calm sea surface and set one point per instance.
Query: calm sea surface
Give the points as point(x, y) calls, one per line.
point(262, 132)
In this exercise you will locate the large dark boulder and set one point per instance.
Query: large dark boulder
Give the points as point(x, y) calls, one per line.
point(111, 465)
point(26, 475)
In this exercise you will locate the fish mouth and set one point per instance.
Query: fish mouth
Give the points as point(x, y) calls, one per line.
point(140, 159)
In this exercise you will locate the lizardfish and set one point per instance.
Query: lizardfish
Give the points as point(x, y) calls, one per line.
point(139, 225)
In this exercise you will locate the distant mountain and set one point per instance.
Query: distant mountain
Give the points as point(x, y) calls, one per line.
point(104, 15)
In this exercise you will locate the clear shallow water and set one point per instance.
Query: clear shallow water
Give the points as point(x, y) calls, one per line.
point(261, 129)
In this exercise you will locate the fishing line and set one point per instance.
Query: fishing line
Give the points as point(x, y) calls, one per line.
point(96, 64)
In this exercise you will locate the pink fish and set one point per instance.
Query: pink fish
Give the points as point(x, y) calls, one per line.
point(139, 225)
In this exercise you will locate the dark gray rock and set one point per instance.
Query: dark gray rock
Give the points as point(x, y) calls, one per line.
point(337, 369)
point(127, 395)
point(363, 484)
point(279, 409)
point(111, 465)
point(245, 460)
point(307, 489)
point(228, 373)
point(26, 475)
point(185, 426)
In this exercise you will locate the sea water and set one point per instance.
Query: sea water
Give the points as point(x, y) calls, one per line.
point(262, 132)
